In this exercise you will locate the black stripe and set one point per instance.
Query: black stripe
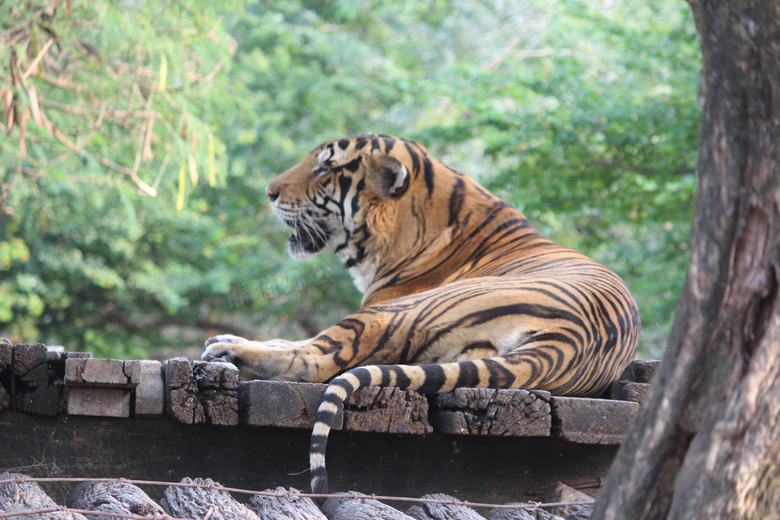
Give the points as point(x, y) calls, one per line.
point(352, 165)
point(478, 345)
point(415, 157)
point(363, 376)
point(456, 201)
point(356, 199)
point(500, 376)
point(333, 398)
point(343, 143)
point(428, 166)
point(385, 376)
point(402, 381)
point(468, 376)
point(526, 309)
point(434, 379)
point(318, 443)
point(389, 143)
point(319, 483)
point(326, 416)
point(344, 184)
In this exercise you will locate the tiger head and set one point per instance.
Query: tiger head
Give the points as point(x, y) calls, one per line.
point(376, 201)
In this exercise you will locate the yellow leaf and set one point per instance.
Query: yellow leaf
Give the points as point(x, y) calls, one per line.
point(182, 182)
point(212, 166)
point(193, 169)
point(163, 73)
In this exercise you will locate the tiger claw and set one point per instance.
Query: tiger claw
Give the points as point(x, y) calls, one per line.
point(218, 354)
point(218, 348)
point(224, 338)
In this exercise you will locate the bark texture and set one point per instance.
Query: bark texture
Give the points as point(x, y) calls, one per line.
point(112, 497)
point(284, 507)
point(204, 503)
point(706, 443)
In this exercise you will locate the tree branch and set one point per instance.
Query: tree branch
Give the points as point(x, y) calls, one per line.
point(204, 324)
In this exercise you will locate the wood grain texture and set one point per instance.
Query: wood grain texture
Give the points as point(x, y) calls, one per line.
point(201, 503)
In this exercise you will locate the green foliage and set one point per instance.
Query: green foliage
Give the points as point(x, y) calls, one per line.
point(583, 114)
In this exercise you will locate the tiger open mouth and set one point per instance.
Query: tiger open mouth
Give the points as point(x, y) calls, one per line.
point(306, 236)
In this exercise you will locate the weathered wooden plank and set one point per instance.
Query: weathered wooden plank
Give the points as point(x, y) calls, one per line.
point(591, 421)
point(337, 508)
point(285, 507)
point(17, 497)
point(281, 403)
point(29, 363)
point(640, 371)
point(150, 392)
point(42, 400)
point(201, 392)
point(217, 385)
point(203, 503)
point(627, 391)
point(473, 468)
point(6, 374)
point(181, 393)
point(55, 356)
point(5, 399)
point(6, 354)
point(101, 372)
point(99, 402)
point(373, 409)
point(482, 411)
point(388, 410)
point(435, 511)
point(112, 497)
point(32, 390)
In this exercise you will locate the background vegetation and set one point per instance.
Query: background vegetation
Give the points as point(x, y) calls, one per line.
point(140, 135)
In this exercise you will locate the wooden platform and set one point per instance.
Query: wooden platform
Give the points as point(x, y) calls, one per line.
point(69, 415)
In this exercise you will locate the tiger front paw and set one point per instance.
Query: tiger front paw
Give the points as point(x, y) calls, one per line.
point(219, 348)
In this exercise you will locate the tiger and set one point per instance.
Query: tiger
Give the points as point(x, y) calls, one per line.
point(459, 289)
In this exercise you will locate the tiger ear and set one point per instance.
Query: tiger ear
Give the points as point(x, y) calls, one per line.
point(388, 176)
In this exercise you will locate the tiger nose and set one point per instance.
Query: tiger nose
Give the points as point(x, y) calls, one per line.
point(272, 195)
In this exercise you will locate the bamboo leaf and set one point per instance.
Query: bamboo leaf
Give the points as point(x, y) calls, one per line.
point(182, 183)
point(163, 73)
point(193, 167)
point(9, 109)
point(23, 130)
point(212, 166)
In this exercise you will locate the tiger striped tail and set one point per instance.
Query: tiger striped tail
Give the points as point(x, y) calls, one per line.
point(425, 378)
point(337, 393)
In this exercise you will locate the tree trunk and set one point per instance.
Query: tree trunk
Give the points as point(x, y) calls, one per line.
point(706, 443)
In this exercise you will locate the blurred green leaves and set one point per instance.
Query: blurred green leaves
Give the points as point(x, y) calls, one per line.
point(583, 114)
